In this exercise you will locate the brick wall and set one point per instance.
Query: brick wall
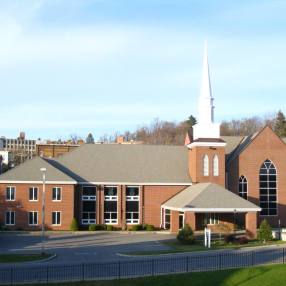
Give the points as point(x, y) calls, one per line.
point(154, 197)
point(266, 145)
point(196, 155)
point(22, 206)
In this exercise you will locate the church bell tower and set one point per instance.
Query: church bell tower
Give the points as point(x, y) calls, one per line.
point(206, 149)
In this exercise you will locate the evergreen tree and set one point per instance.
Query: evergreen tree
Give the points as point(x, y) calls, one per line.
point(191, 121)
point(280, 124)
point(89, 139)
point(264, 231)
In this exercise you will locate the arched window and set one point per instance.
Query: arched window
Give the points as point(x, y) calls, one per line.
point(268, 188)
point(206, 165)
point(215, 165)
point(242, 187)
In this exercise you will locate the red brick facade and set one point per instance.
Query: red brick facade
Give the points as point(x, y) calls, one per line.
point(266, 145)
point(22, 206)
point(196, 156)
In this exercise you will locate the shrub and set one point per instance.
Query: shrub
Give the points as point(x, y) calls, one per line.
point(136, 227)
point(242, 240)
point(264, 232)
point(74, 225)
point(92, 227)
point(186, 235)
point(100, 227)
point(109, 227)
point(229, 238)
point(149, 227)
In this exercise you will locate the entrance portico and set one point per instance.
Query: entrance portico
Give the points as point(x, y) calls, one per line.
point(207, 204)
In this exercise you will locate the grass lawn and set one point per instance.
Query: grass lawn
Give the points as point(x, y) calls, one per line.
point(177, 247)
point(263, 276)
point(11, 258)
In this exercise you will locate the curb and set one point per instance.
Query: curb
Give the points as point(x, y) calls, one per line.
point(194, 253)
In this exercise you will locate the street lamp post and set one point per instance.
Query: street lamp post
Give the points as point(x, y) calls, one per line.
point(43, 170)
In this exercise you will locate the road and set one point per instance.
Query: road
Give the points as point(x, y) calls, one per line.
point(94, 256)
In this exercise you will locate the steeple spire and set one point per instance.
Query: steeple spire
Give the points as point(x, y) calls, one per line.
point(206, 112)
point(206, 128)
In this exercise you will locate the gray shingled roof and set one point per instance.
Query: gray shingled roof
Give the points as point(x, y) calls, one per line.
point(30, 171)
point(126, 163)
point(203, 196)
point(117, 164)
point(232, 142)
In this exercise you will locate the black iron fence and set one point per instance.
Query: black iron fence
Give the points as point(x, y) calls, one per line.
point(46, 273)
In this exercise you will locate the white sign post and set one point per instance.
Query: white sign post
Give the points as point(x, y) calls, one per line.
point(207, 238)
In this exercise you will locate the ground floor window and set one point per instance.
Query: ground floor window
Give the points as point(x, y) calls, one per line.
point(211, 218)
point(181, 220)
point(132, 212)
point(88, 212)
point(33, 218)
point(110, 204)
point(10, 218)
point(110, 212)
point(56, 218)
point(132, 205)
point(167, 220)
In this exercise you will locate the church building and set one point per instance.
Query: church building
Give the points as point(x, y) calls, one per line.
point(215, 181)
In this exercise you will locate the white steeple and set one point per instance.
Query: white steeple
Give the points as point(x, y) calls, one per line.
point(206, 128)
point(206, 108)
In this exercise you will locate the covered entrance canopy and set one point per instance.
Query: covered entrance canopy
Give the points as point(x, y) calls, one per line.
point(209, 198)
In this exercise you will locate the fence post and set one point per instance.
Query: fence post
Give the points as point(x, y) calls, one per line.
point(220, 261)
point(119, 270)
point(252, 257)
point(47, 274)
point(153, 267)
point(187, 263)
point(11, 276)
point(83, 274)
point(283, 255)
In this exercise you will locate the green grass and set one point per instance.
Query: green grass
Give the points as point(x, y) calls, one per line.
point(12, 258)
point(177, 247)
point(273, 275)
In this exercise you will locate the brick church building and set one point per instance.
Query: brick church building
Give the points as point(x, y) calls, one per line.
point(212, 181)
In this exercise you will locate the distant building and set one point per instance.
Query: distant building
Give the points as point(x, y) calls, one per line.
point(121, 140)
point(6, 157)
point(20, 148)
point(54, 150)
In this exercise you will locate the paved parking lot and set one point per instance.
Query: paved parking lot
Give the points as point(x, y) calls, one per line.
point(84, 247)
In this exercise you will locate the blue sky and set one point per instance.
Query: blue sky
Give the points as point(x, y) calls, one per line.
point(112, 65)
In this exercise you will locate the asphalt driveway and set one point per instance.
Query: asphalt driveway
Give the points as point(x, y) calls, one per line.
point(84, 246)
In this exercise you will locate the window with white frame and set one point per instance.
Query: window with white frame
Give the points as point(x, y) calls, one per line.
point(88, 212)
point(10, 193)
point(88, 193)
point(56, 218)
point(206, 165)
point(56, 194)
point(132, 204)
point(211, 218)
point(167, 219)
point(215, 165)
point(33, 194)
point(268, 189)
point(110, 204)
point(10, 218)
point(33, 218)
point(242, 187)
